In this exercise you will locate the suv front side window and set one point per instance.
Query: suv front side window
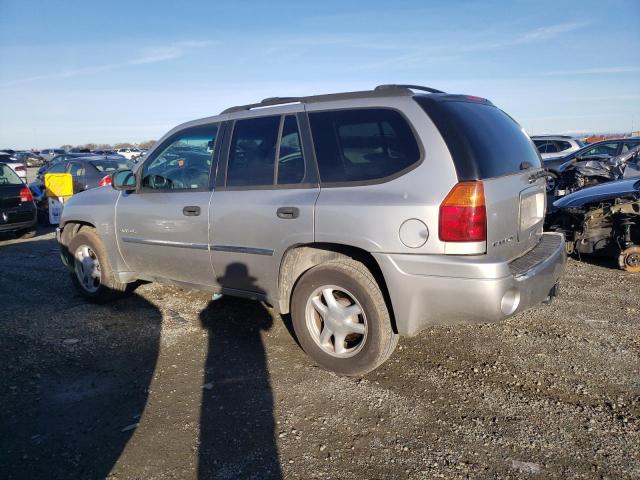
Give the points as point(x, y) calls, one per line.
point(184, 163)
point(604, 149)
point(362, 144)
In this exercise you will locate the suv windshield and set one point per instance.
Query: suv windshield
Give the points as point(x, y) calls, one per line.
point(8, 176)
point(484, 141)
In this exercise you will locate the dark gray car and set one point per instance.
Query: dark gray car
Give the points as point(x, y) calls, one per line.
point(88, 172)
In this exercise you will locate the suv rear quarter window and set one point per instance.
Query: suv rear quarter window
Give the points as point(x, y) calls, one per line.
point(359, 145)
point(484, 141)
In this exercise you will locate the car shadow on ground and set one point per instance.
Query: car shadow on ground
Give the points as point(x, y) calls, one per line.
point(76, 376)
point(237, 427)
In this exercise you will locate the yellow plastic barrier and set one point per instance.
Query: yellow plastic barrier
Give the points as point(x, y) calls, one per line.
point(58, 184)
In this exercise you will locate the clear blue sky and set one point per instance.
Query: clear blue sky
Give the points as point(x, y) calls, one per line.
point(88, 71)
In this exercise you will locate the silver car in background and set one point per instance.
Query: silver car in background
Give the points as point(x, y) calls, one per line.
point(551, 146)
point(364, 215)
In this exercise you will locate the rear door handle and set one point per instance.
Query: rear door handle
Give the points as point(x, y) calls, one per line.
point(191, 211)
point(288, 212)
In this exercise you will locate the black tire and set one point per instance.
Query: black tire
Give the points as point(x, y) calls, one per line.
point(27, 233)
point(108, 287)
point(380, 340)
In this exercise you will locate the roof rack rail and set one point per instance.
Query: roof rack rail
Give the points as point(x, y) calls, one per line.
point(411, 87)
point(267, 102)
point(382, 90)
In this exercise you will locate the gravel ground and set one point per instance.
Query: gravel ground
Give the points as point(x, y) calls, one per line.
point(165, 384)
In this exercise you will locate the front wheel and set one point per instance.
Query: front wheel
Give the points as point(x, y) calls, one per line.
point(341, 319)
point(92, 274)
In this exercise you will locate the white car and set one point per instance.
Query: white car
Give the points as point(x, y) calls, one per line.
point(129, 153)
point(551, 146)
point(16, 166)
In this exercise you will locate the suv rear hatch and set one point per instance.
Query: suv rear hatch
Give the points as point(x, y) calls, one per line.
point(487, 145)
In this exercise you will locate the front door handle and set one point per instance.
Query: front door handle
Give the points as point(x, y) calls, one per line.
point(191, 211)
point(288, 212)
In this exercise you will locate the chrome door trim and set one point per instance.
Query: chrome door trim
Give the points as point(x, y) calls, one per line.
point(249, 250)
point(166, 243)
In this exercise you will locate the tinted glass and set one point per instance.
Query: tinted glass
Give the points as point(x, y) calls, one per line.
point(8, 176)
point(107, 166)
point(362, 144)
point(76, 169)
point(484, 141)
point(629, 145)
point(185, 163)
point(290, 158)
point(59, 151)
point(252, 152)
point(60, 167)
point(547, 147)
point(602, 149)
point(562, 145)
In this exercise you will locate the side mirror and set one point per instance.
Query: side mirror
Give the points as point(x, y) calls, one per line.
point(124, 180)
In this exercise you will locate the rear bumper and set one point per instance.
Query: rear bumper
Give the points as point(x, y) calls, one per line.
point(12, 226)
point(448, 289)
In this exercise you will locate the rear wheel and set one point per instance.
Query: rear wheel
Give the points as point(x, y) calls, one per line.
point(341, 319)
point(92, 274)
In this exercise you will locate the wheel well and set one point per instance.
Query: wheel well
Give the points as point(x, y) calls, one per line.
point(297, 260)
point(71, 229)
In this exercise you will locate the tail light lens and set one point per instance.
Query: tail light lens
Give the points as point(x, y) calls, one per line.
point(463, 214)
point(105, 182)
point(20, 168)
point(25, 195)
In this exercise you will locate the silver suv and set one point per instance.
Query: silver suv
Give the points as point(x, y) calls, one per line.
point(364, 215)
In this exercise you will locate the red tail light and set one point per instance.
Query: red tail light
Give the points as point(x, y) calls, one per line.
point(20, 168)
point(463, 214)
point(105, 182)
point(25, 195)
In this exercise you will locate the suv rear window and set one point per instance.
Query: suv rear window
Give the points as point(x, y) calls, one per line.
point(362, 144)
point(484, 141)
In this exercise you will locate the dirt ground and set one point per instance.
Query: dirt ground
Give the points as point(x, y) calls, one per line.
point(166, 384)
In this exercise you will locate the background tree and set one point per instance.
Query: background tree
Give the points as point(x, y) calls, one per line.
point(146, 145)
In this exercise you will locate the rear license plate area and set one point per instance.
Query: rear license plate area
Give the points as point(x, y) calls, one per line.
point(532, 204)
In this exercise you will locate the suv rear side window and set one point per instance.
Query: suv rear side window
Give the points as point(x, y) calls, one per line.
point(484, 141)
point(252, 152)
point(362, 144)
